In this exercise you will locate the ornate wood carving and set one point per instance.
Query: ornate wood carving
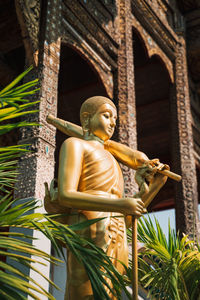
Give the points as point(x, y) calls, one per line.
point(164, 10)
point(28, 13)
point(153, 48)
point(38, 166)
point(78, 32)
point(104, 13)
point(88, 28)
point(125, 89)
point(163, 35)
point(104, 72)
point(182, 145)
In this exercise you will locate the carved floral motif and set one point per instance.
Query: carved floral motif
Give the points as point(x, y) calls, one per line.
point(38, 166)
point(125, 90)
point(186, 192)
point(163, 34)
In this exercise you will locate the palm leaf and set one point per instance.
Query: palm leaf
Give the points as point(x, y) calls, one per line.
point(15, 82)
point(7, 113)
point(168, 268)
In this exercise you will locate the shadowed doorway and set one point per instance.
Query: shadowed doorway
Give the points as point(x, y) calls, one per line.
point(77, 81)
point(152, 86)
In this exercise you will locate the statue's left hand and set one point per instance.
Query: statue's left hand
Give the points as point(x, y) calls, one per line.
point(147, 174)
point(156, 177)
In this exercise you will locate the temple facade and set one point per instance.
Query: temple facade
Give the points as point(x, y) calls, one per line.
point(143, 54)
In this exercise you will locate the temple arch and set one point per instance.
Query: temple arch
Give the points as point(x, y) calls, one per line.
point(151, 48)
point(98, 65)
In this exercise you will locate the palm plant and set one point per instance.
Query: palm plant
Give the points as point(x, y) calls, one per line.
point(14, 284)
point(168, 268)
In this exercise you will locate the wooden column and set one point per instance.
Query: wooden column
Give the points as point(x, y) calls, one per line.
point(125, 89)
point(186, 202)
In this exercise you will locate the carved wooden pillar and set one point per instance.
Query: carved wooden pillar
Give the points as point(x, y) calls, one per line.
point(38, 166)
point(186, 203)
point(125, 90)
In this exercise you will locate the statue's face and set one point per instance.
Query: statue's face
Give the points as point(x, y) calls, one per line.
point(102, 123)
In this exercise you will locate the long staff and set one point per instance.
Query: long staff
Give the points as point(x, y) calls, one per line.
point(134, 240)
point(134, 259)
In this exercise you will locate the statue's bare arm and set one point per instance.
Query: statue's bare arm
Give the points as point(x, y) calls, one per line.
point(129, 157)
point(70, 168)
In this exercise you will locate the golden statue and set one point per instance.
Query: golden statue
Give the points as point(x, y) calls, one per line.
point(90, 183)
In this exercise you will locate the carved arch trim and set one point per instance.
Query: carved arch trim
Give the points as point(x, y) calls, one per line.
point(152, 48)
point(105, 76)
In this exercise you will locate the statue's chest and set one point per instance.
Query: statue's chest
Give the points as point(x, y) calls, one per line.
point(100, 171)
point(100, 159)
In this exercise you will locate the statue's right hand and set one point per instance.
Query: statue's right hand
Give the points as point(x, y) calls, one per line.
point(51, 203)
point(134, 206)
point(48, 204)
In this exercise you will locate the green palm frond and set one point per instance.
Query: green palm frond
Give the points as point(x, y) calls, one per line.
point(11, 94)
point(14, 112)
point(8, 161)
point(168, 268)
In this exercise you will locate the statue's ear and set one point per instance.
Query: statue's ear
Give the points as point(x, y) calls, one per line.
point(85, 117)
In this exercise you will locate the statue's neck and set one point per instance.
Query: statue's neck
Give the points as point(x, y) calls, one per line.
point(92, 137)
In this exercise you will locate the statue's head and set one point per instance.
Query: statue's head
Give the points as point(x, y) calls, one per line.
point(98, 117)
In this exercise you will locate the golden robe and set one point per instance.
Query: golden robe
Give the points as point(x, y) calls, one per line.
point(101, 176)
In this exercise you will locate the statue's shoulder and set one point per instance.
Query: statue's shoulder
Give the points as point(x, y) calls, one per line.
point(73, 142)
